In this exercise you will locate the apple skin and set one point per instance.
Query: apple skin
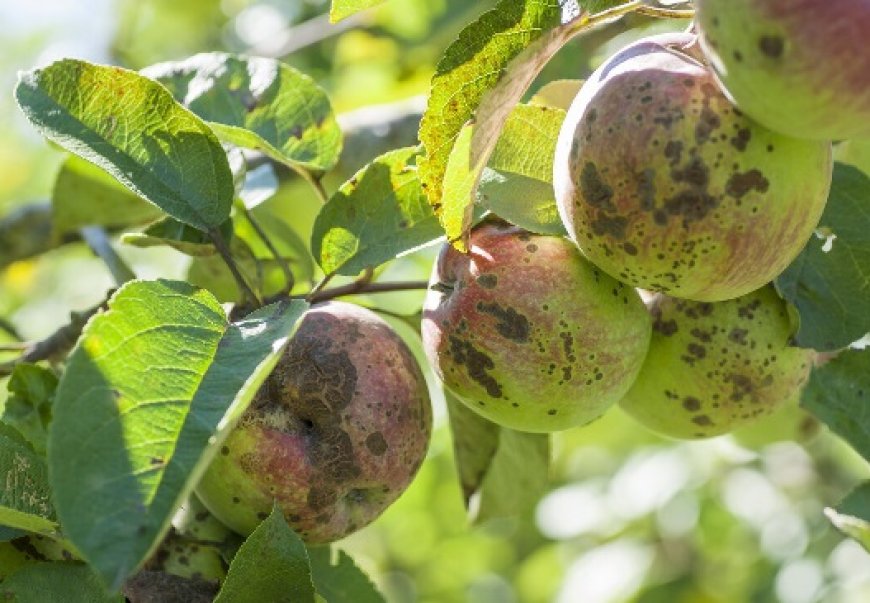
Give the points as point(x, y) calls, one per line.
point(714, 367)
point(790, 423)
point(529, 334)
point(187, 558)
point(664, 185)
point(800, 67)
point(334, 436)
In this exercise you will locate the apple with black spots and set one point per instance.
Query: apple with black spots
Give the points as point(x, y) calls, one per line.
point(335, 434)
point(528, 333)
point(715, 367)
point(800, 67)
point(665, 185)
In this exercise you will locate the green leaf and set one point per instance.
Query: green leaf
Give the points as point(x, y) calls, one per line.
point(25, 499)
point(854, 152)
point(518, 475)
point(375, 216)
point(258, 103)
point(523, 201)
point(85, 195)
point(342, 581)
point(527, 142)
point(272, 565)
point(826, 282)
point(149, 393)
point(55, 583)
point(172, 233)
point(342, 9)
point(506, 471)
point(28, 407)
point(460, 181)
point(131, 127)
point(475, 441)
point(852, 515)
point(483, 75)
point(557, 93)
point(838, 394)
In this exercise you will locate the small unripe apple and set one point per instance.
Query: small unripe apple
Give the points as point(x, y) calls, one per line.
point(714, 367)
point(528, 333)
point(334, 436)
point(193, 520)
point(665, 185)
point(800, 67)
point(187, 558)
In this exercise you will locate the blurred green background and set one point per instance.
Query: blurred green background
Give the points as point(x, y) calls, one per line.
point(630, 516)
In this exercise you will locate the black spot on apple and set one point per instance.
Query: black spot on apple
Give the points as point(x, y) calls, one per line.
point(511, 324)
point(376, 443)
point(487, 281)
point(477, 363)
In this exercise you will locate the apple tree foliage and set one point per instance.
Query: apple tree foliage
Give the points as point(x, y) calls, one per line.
point(111, 421)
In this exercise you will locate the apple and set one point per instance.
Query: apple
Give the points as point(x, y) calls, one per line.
point(800, 67)
point(665, 185)
point(187, 558)
point(335, 434)
point(714, 367)
point(528, 333)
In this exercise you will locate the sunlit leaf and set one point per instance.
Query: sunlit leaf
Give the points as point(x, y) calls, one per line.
point(257, 103)
point(131, 127)
point(483, 75)
point(375, 216)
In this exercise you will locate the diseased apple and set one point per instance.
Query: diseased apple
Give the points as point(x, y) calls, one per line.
point(665, 185)
point(335, 434)
point(713, 367)
point(528, 333)
point(187, 558)
point(800, 67)
point(787, 424)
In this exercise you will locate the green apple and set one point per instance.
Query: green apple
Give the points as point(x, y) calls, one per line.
point(714, 367)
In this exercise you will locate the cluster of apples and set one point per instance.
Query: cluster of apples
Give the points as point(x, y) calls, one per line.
point(694, 167)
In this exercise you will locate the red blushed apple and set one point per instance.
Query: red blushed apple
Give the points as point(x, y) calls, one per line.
point(667, 186)
point(335, 434)
point(800, 67)
point(528, 333)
